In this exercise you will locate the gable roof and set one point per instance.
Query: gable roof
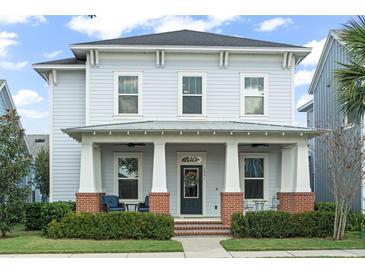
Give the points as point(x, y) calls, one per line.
point(66, 61)
point(333, 35)
point(306, 107)
point(36, 142)
point(188, 38)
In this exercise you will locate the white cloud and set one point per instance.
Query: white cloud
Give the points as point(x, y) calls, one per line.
point(303, 77)
point(26, 97)
point(52, 54)
point(13, 66)
point(21, 19)
point(32, 114)
point(304, 99)
point(313, 58)
point(7, 39)
point(110, 26)
point(273, 24)
point(170, 23)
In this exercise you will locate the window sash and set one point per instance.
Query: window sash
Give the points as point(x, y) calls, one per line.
point(262, 179)
point(253, 85)
point(192, 85)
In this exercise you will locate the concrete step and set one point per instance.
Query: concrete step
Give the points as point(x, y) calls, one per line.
point(198, 222)
point(199, 227)
point(225, 232)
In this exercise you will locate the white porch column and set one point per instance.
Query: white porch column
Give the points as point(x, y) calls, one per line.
point(295, 168)
point(232, 176)
point(302, 168)
point(90, 169)
point(159, 168)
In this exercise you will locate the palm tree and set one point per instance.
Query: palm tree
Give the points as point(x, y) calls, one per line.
point(351, 77)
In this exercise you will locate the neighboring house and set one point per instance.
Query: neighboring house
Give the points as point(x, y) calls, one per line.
point(308, 108)
point(36, 142)
point(326, 114)
point(6, 103)
point(197, 121)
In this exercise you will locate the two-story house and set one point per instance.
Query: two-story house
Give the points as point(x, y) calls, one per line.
point(324, 112)
point(200, 122)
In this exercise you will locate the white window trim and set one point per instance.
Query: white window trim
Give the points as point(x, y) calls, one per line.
point(138, 155)
point(204, 94)
point(242, 95)
point(265, 156)
point(116, 95)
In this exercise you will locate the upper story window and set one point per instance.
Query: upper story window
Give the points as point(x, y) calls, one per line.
point(192, 94)
point(128, 93)
point(253, 94)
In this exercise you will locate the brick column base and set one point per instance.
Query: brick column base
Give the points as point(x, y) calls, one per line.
point(89, 202)
point(296, 202)
point(160, 202)
point(231, 202)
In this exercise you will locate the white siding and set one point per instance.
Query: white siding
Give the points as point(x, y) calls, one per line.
point(68, 105)
point(215, 157)
point(160, 85)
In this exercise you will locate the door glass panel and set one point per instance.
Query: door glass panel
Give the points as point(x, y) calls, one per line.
point(191, 183)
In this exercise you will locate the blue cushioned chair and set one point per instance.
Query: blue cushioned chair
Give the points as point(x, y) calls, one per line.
point(144, 207)
point(112, 203)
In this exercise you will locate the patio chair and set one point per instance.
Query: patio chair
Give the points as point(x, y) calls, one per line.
point(112, 203)
point(144, 207)
point(248, 207)
point(275, 203)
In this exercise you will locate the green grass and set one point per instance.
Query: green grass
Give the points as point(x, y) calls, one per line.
point(351, 241)
point(27, 242)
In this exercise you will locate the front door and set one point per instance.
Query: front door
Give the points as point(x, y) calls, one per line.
point(191, 189)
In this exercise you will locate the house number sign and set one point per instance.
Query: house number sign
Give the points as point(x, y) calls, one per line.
point(191, 159)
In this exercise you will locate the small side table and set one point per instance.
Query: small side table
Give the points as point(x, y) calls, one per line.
point(131, 204)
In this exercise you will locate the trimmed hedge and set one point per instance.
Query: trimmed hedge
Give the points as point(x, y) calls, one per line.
point(39, 215)
point(325, 206)
point(113, 225)
point(276, 224)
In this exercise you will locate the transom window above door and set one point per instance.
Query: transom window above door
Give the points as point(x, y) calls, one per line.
point(253, 172)
point(128, 94)
point(129, 179)
point(253, 95)
point(192, 94)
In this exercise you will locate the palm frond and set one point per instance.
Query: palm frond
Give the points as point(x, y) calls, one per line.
point(351, 91)
point(353, 34)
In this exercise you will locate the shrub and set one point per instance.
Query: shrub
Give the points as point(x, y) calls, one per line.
point(39, 215)
point(33, 220)
point(325, 206)
point(55, 211)
point(355, 221)
point(113, 225)
point(276, 224)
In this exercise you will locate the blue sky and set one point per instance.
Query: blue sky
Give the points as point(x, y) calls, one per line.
point(25, 40)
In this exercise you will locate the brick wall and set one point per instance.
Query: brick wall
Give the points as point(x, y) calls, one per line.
point(231, 202)
point(160, 202)
point(89, 202)
point(296, 202)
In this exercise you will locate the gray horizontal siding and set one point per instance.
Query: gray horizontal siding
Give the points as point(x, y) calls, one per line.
point(160, 85)
point(68, 104)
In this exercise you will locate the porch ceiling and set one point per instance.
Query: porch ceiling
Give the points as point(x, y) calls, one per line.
point(195, 127)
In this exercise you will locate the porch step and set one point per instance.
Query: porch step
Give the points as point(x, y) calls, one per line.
point(202, 227)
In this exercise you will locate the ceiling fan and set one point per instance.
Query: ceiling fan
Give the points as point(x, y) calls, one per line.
point(260, 145)
point(131, 144)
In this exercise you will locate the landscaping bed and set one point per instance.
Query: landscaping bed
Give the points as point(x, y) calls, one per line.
point(34, 242)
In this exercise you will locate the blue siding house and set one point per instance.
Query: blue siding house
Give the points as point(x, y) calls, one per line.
point(324, 111)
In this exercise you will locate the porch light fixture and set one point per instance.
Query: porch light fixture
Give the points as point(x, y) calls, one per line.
point(94, 133)
point(161, 132)
point(197, 133)
point(248, 133)
point(145, 133)
point(213, 132)
point(180, 132)
point(110, 133)
point(283, 133)
point(266, 133)
point(127, 132)
point(231, 133)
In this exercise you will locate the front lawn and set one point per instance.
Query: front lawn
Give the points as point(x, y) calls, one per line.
point(26, 242)
point(351, 241)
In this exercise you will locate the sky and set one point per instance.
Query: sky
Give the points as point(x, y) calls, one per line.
point(25, 40)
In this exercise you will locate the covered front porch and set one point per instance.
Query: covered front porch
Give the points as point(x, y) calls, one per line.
point(189, 170)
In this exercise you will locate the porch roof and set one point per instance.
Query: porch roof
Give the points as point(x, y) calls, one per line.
point(191, 127)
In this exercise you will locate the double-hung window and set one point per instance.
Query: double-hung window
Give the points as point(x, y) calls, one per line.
point(128, 176)
point(253, 174)
point(192, 94)
point(128, 93)
point(253, 94)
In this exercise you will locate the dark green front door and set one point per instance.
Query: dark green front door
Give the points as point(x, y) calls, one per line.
point(191, 186)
